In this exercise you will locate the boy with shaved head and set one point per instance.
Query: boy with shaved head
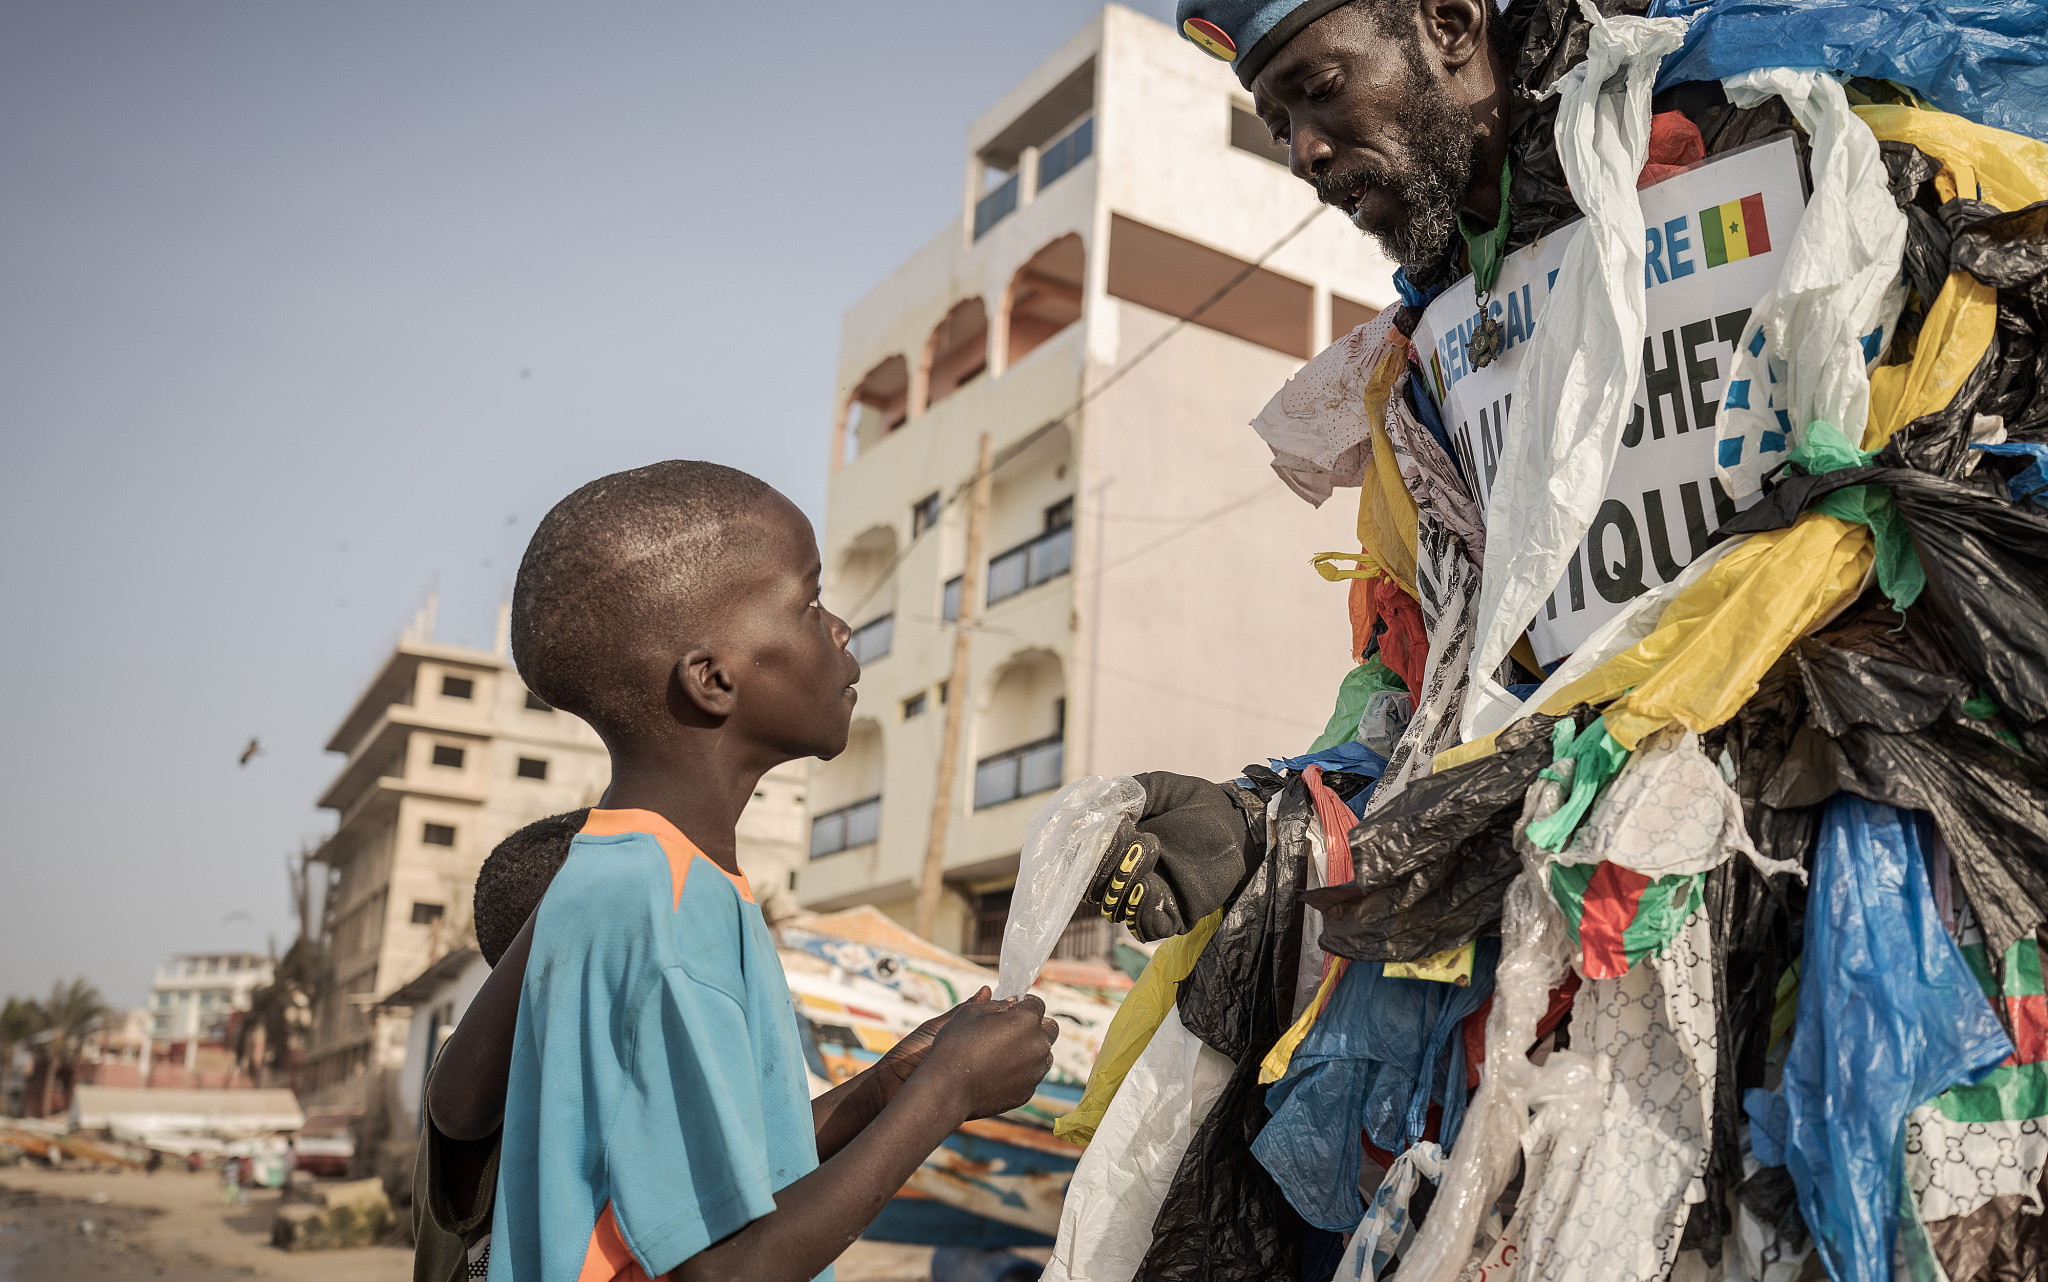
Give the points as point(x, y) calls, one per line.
point(656, 1121)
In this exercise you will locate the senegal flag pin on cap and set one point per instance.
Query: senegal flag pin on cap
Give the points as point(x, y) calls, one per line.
point(1211, 38)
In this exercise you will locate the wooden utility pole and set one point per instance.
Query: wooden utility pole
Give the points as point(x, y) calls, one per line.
point(933, 884)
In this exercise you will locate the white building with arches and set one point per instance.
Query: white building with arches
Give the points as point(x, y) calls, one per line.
point(1148, 598)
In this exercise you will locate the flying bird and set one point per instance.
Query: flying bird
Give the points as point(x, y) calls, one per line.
point(252, 750)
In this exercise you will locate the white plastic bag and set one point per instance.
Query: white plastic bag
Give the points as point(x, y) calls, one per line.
point(1578, 381)
point(1810, 343)
point(1063, 844)
point(1122, 1178)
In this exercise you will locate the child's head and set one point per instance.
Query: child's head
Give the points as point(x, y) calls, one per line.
point(513, 879)
point(684, 596)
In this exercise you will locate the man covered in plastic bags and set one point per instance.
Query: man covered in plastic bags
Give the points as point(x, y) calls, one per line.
point(1665, 897)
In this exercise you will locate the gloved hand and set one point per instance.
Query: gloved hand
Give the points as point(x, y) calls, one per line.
point(1181, 859)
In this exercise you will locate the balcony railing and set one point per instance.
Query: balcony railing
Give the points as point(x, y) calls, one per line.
point(1056, 160)
point(1046, 557)
point(996, 206)
point(871, 640)
point(846, 828)
point(1020, 772)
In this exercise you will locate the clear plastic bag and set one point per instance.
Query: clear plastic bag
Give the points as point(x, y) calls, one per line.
point(1062, 846)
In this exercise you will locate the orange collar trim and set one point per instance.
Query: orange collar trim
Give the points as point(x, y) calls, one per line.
point(681, 851)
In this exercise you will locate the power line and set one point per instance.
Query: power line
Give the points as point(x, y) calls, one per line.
point(1036, 434)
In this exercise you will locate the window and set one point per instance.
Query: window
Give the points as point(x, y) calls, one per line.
point(457, 688)
point(996, 206)
point(924, 514)
point(438, 834)
point(427, 914)
point(871, 640)
point(534, 703)
point(532, 768)
point(949, 601)
point(448, 755)
point(846, 827)
point(991, 918)
point(1061, 514)
point(1042, 559)
point(1249, 133)
point(914, 706)
point(1056, 160)
point(1020, 772)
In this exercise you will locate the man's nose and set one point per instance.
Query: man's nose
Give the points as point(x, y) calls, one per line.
point(1308, 153)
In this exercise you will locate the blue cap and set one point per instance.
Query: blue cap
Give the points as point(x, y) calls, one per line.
point(1247, 33)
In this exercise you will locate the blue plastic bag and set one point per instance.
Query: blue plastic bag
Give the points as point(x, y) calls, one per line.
point(1889, 1017)
point(1984, 60)
point(2032, 483)
point(1382, 1051)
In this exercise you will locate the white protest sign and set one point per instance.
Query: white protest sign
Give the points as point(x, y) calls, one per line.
point(1716, 240)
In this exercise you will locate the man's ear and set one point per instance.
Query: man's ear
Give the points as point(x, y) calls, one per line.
point(707, 682)
point(1457, 28)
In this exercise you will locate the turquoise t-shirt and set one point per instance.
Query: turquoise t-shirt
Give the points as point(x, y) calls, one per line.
point(658, 1096)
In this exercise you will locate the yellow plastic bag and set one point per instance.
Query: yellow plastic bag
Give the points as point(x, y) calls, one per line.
point(1717, 638)
point(1131, 1028)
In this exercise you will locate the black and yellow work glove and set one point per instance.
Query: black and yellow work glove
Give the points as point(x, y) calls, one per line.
point(1181, 859)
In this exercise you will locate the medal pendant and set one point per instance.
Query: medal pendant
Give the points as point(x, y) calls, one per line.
point(1485, 343)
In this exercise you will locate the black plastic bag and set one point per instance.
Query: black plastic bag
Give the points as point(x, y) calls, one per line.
point(1223, 1217)
point(1432, 867)
point(1755, 924)
point(1898, 736)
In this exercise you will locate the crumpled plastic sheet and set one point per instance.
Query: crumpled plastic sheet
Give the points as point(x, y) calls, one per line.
point(1122, 1178)
point(1387, 1228)
point(1450, 598)
point(1894, 735)
point(1316, 424)
point(1575, 388)
point(1669, 811)
point(1754, 921)
point(1534, 950)
point(1223, 1217)
point(1432, 868)
point(1986, 579)
point(1431, 473)
point(1807, 348)
point(1550, 38)
point(1997, 1242)
point(1611, 1171)
point(1383, 1051)
point(1138, 1019)
point(1063, 846)
point(1986, 61)
point(1889, 1017)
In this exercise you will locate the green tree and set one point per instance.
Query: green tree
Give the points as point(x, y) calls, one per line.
point(74, 1010)
point(19, 1020)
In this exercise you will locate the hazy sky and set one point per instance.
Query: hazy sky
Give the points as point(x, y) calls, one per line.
point(307, 309)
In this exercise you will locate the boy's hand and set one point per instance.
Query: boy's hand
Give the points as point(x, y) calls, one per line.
point(904, 1057)
point(993, 1054)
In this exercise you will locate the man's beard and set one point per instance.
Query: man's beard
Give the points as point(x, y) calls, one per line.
point(1440, 138)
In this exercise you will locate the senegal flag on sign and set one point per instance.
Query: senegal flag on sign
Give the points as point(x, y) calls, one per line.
point(1735, 231)
point(1618, 916)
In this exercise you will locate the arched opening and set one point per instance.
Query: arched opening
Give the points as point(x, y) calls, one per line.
point(863, 592)
point(1045, 296)
point(958, 351)
point(846, 794)
point(1022, 731)
point(879, 405)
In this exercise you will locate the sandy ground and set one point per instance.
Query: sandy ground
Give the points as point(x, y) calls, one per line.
point(60, 1225)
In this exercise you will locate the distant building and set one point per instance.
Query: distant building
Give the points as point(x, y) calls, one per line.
point(1147, 599)
point(447, 753)
point(194, 996)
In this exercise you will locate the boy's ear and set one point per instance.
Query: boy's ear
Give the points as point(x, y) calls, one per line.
point(707, 682)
